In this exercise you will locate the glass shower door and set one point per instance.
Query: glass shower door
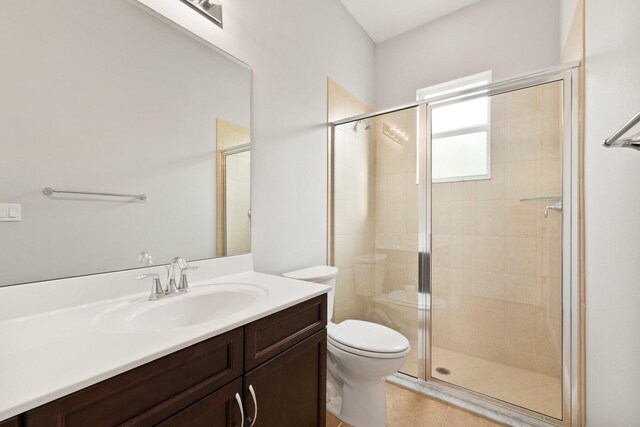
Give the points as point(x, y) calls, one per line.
point(375, 224)
point(496, 245)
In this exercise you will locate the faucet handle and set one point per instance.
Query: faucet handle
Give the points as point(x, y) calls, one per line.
point(183, 286)
point(156, 289)
point(181, 263)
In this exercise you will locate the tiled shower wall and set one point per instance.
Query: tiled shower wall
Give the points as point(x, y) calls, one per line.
point(496, 259)
point(354, 201)
point(397, 231)
point(397, 202)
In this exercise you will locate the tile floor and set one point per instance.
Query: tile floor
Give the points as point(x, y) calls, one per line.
point(409, 409)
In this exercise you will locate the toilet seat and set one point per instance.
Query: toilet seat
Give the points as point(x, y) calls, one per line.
point(367, 339)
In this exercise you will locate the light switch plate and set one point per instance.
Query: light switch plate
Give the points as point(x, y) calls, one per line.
point(10, 212)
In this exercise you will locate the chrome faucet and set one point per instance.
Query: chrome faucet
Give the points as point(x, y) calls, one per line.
point(157, 291)
point(183, 286)
point(171, 276)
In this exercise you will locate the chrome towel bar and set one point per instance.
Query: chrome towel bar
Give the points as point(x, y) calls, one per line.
point(616, 139)
point(48, 191)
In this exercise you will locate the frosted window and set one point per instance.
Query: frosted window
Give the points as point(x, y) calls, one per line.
point(460, 115)
point(461, 131)
point(460, 157)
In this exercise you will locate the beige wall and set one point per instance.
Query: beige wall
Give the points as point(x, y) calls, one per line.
point(496, 259)
point(354, 201)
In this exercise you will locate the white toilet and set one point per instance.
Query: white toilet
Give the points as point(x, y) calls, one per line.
point(360, 355)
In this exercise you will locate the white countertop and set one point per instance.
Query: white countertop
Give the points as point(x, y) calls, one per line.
point(48, 355)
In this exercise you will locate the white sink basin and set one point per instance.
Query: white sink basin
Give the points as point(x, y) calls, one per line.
point(203, 304)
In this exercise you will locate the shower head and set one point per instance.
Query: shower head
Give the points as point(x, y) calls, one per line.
point(368, 124)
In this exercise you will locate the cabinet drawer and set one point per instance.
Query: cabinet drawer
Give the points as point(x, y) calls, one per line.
point(218, 409)
point(151, 393)
point(267, 337)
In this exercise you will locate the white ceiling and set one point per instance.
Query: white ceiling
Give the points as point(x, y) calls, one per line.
point(383, 19)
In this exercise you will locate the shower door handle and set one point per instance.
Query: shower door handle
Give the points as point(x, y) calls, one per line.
point(557, 207)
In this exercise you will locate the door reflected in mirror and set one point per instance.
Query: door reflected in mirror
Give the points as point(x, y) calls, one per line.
point(234, 189)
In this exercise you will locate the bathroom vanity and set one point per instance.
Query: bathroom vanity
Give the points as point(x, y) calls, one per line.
point(265, 364)
point(273, 368)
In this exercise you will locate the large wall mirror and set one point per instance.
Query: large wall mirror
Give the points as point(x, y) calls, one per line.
point(106, 97)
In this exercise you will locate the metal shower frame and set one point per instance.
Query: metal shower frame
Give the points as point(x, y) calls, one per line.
point(568, 74)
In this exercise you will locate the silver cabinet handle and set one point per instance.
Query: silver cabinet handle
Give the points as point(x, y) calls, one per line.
point(255, 405)
point(239, 402)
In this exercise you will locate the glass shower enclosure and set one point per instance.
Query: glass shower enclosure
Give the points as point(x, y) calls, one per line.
point(451, 222)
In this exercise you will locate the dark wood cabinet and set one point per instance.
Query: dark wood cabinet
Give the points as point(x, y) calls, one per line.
point(290, 388)
point(11, 422)
point(282, 357)
point(273, 334)
point(151, 393)
point(220, 409)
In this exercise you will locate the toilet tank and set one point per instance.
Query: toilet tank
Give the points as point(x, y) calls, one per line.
point(323, 274)
point(370, 274)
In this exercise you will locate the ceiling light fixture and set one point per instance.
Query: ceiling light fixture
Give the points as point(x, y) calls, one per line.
point(210, 9)
point(398, 135)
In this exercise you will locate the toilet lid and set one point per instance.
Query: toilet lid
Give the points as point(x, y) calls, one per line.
point(314, 274)
point(368, 337)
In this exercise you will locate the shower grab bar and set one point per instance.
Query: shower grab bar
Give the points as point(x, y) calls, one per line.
point(48, 191)
point(616, 139)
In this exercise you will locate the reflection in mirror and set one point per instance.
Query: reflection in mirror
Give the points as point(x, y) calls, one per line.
point(104, 97)
point(234, 204)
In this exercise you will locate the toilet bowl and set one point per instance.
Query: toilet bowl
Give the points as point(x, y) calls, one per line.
point(360, 355)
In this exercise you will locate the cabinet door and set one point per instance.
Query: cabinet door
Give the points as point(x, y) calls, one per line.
point(219, 409)
point(290, 388)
